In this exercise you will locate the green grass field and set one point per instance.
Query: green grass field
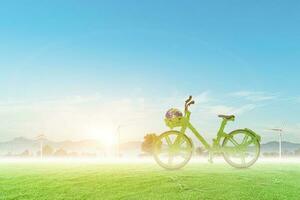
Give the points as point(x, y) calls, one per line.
point(147, 181)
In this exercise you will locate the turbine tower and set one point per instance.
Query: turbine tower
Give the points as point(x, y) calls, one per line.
point(279, 131)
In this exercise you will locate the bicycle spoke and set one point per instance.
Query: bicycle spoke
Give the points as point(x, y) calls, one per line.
point(250, 142)
point(245, 139)
point(181, 141)
point(229, 150)
point(177, 140)
point(233, 141)
point(168, 140)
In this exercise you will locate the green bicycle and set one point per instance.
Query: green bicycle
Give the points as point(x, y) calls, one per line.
point(173, 149)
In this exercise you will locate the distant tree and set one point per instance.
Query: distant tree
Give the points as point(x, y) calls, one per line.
point(288, 153)
point(88, 154)
point(297, 152)
point(73, 154)
point(266, 154)
point(60, 153)
point(25, 153)
point(149, 140)
point(9, 154)
point(48, 150)
point(270, 154)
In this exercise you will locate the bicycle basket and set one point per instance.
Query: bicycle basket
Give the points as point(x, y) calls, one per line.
point(173, 118)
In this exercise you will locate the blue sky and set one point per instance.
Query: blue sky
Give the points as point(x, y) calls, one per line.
point(233, 55)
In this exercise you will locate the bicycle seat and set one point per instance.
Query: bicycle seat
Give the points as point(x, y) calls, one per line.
point(228, 117)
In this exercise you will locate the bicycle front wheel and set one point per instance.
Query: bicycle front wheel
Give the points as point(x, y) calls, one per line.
point(173, 150)
point(241, 149)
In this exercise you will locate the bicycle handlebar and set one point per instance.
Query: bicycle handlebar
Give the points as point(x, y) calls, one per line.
point(188, 102)
point(192, 102)
point(189, 99)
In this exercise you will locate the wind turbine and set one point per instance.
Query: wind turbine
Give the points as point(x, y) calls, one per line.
point(279, 131)
point(130, 122)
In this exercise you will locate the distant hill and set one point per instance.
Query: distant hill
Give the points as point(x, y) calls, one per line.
point(131, 148)
point(20, 144)
point(274, 146)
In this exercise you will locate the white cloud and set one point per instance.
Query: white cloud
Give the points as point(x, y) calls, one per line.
point(254, 96)
point(203, 97)
point(73, 117)
point(290, 128)
point(228, 110)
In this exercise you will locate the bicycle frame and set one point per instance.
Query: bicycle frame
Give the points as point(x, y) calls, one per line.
point(215, 147)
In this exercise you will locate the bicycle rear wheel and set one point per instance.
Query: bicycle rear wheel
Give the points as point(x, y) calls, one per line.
point(241, 149)
point(173, 150)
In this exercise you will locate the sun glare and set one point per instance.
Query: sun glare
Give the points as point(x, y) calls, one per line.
point(105, 136)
